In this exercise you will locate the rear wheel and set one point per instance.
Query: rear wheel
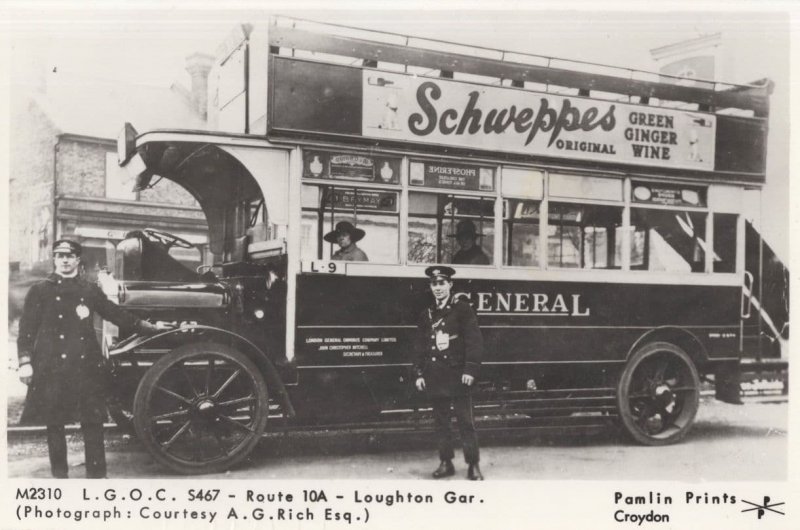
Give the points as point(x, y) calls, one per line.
point(658, 394)
point(202, 408)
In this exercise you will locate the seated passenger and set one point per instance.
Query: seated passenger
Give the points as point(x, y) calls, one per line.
point(346, 235)
point(469, 253)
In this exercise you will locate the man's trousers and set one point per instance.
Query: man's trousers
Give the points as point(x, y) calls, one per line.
point(93, 445)
point(462, 406)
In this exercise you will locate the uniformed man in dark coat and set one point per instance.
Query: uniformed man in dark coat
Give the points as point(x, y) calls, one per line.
point(448, 359)
point(61, 361)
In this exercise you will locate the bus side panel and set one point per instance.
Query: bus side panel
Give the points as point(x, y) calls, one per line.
point(371, 321)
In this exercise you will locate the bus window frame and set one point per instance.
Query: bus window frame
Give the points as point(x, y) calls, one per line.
point(495, 253)
point(627, 204)
point(404, 188)
point(708, 253)
point(455, 194)
point(544, 214)
point(505, 202)
point(588, 202)
point(336, 184)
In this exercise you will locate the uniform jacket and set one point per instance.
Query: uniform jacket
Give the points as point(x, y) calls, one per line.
point(443, 368)
point(57, 336)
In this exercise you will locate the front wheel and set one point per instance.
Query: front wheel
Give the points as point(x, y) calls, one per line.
point(202, 408)
point(658, 394)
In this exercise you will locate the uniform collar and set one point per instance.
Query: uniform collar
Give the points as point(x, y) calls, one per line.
point(55, 277)
point(446, 304)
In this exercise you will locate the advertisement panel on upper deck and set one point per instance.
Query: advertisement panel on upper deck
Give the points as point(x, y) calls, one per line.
point(416, 109)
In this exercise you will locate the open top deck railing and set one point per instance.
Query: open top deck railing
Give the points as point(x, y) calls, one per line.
point(427, 56)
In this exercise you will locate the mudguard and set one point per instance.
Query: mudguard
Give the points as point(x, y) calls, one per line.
point(259, 357)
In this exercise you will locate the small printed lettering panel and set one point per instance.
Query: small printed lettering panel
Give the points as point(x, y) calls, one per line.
point(409, 108)
point(322, 267)
point(451, 176)
point(351, 166)
point(668, 194)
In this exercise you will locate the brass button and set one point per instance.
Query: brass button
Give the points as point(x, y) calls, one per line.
point(433, 359)
point(63, 355)
point(60, 316)
point(61, 337)
point(58, 298)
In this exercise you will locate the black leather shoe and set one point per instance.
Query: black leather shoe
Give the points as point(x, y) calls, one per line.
point(445, 469)
point(474, 472)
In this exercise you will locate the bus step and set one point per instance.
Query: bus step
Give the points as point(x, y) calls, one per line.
point(424, 422)
point(576, 402)
point(558, 393)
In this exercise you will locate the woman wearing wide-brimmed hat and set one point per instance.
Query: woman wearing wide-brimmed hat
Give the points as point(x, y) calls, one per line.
point(346, 235)
point(470, 252)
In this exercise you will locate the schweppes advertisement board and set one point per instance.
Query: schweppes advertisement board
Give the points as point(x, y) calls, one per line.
point(311, 99)
point(410, 108)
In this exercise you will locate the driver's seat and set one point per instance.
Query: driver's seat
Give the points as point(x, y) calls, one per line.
point(139, 258)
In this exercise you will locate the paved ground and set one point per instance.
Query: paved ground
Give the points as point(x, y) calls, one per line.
point(728, 442)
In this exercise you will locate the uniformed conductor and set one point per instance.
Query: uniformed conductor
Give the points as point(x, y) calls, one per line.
point(449, 357)
point(60, 359)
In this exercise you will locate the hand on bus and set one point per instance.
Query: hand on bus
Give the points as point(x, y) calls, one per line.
point(420, 384)
point(467, 379)
point(25, 373)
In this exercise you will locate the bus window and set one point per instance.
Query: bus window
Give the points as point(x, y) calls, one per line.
point(521, 233)
point(445, 228)
point(668, 240)
point(584, 236)
point(373, 211)
point(725, 242)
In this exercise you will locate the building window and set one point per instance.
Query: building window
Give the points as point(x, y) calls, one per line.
point(119, 184)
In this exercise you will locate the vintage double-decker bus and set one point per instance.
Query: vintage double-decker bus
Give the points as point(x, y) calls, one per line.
point(606, 210)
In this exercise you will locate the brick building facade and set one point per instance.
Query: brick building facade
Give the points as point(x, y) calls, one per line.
point(64, 178)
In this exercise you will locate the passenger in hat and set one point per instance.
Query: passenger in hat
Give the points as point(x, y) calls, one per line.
point(60, 359)
point(346, 235)
point(448, 357)
point(470, 252)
